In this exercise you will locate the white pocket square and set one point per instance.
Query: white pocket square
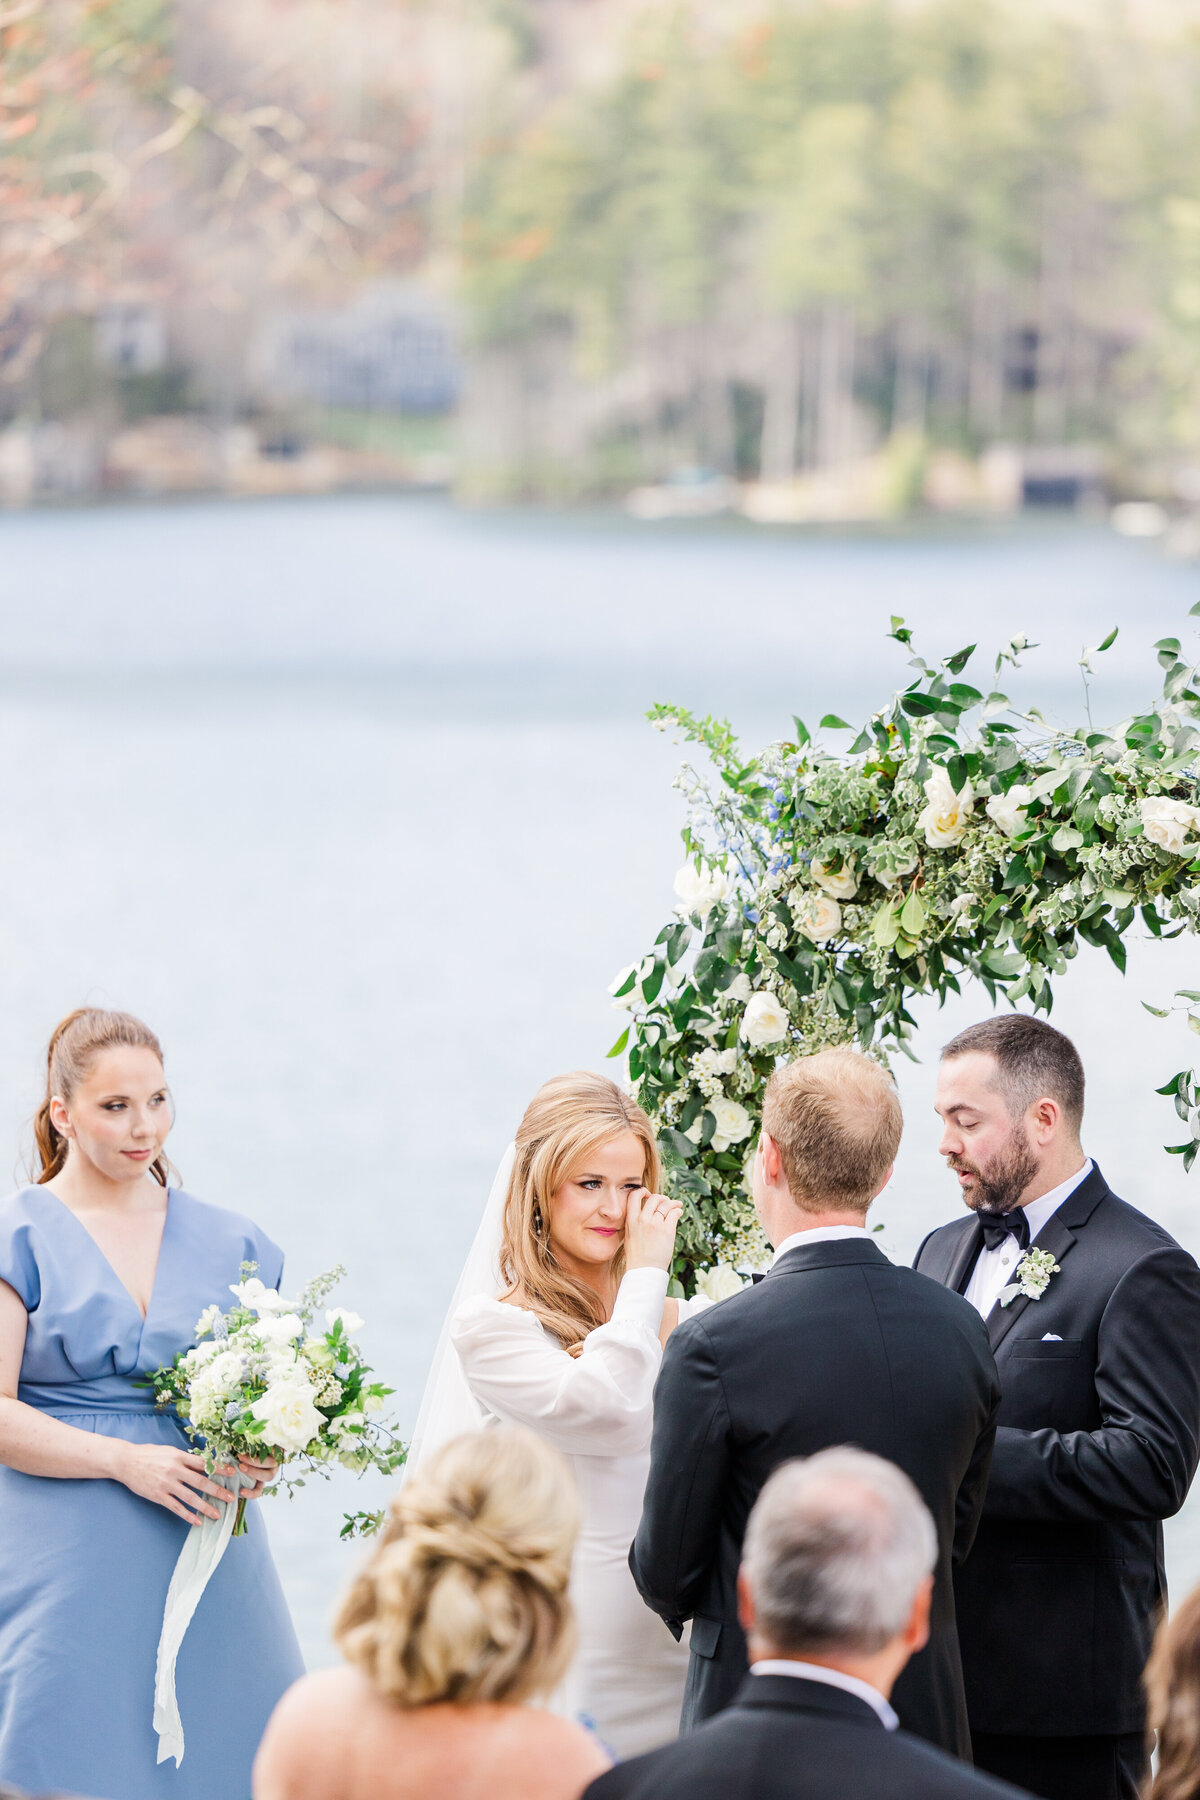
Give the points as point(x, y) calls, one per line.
point(1051, 1337)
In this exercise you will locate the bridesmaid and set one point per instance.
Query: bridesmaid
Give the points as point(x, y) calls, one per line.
point(104, 1271)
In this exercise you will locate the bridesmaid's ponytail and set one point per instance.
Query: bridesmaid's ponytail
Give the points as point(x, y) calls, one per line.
point(75, 1043)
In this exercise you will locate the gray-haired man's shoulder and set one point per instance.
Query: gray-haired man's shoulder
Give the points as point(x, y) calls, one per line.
point(743, 1756)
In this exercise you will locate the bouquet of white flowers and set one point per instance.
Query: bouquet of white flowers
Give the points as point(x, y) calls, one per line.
point(261, 1382)
point(265, 1381)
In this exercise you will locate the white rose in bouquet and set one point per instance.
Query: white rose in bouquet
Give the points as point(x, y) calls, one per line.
point(214, 1384)
point(818, 917)
point(351, 1322)
point(719, 1283)
point(732, 1123)
point(841, 884)
point(764, 1021)
point(738, 990)
point(281, 1328)
point(945, 819)
point(259, 1298)
point(1008, 810)
point(1170, 823)
point(289, 1414)
point(699, 890)
point(260, 1386)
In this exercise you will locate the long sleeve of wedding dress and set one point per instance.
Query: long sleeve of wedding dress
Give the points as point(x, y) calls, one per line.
point(597, 1409)
point(594, 1404)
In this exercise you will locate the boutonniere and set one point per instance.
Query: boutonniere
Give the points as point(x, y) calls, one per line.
point(1031, 1277)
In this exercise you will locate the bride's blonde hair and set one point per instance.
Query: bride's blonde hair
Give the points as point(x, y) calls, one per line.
point(566, 1120)
point(465, 1598)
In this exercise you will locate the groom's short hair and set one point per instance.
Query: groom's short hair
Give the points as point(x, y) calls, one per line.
point(836, 1548)
point(836, 1121)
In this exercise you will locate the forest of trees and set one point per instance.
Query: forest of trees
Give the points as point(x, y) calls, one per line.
point(214, 158)
point(765, 246)
point(763, 239)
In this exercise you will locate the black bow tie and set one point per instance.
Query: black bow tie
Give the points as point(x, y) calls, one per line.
point(998, 1226)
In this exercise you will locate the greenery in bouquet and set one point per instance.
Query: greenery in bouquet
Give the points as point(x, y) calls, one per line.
point(267, 1379)
point(824, 889)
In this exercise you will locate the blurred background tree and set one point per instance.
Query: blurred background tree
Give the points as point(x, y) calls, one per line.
point(770, 240)
point(958, 220)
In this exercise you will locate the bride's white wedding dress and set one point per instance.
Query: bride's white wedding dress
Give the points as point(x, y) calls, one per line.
point(628, 1675)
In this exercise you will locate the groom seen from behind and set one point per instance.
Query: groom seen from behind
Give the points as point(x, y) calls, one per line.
point(1093, 1312)
point(835, 1346)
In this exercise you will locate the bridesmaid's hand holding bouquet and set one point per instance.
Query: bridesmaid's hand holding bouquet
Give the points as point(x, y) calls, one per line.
point(267, 1384)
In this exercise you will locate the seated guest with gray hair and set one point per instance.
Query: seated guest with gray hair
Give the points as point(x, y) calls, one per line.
point(834, 1595)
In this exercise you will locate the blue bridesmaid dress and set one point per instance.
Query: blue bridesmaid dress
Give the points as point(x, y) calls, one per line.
point(85, 1565)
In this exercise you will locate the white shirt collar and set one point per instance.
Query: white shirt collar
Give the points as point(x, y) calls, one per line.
point(995, 1268)
point(820, 1234)
point(849, 1684)
point(1038, 1212)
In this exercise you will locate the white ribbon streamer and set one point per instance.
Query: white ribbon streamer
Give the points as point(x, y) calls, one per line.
point(203, 1548)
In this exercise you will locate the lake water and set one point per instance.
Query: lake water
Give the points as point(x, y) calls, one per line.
point(354, 800)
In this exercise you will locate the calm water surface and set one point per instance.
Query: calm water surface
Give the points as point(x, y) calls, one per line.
point(355, 801)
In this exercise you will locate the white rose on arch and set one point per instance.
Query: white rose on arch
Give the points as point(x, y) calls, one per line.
point(945, 819)
point(764, 1021)
point(699, 890)
point(1008, 810)
point(818, 917)
point(1170, 823)
point(839, 885)
point(732, 1123)
point(719, 1282)
point(635, 997)
point(891, 867)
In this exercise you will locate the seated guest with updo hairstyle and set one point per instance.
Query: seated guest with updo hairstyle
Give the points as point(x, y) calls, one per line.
point(1173, 1686)
point(459, 1618)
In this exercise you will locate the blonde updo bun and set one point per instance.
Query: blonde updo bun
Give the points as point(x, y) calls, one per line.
point(465, 1597)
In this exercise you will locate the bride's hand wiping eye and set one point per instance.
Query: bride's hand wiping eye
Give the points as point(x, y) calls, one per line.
point(650, 1225)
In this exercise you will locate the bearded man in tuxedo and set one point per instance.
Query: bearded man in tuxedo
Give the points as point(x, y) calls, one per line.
point(835, 1345)
point(1093, 1312)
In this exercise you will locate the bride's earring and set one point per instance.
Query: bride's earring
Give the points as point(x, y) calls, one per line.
point(537, 1219)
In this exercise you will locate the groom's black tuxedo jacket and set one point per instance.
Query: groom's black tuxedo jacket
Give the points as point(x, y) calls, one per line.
point(788, 1739)
point(1098, 1442)
point(835, 1346)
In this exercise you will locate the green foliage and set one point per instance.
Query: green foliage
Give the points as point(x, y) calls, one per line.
point(950, 174)
point(824, 889)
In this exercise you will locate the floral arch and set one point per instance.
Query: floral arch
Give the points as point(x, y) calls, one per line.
point(824, 889)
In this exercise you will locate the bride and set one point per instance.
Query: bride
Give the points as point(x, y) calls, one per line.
point(558, 1324)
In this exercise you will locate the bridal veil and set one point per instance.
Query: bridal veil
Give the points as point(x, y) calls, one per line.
point(448, 1407)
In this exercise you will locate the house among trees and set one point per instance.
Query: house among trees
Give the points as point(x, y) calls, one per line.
point(390, 350)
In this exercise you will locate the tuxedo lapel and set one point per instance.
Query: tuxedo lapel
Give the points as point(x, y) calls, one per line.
point(1058, 1237)
point(962, 1261)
